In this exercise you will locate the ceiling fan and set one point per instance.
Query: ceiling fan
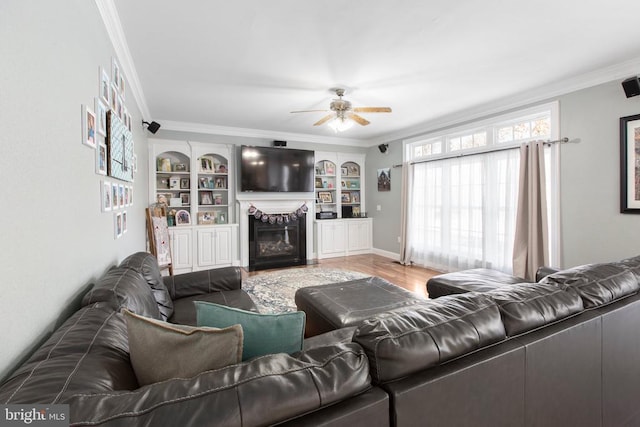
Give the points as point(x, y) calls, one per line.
point(343, 115)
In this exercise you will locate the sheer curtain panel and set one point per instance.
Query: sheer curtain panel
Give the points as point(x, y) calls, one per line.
point(462, 212)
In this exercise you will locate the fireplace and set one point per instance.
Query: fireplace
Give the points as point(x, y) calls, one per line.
point(277, 243)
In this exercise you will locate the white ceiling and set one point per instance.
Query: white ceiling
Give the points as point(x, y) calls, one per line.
point(242, 66)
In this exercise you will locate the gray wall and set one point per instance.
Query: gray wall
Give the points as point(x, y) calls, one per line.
point(54, 239)
point(593, 229)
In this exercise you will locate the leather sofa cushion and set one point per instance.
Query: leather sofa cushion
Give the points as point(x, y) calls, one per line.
point(87, 354)
point(474, 280)
point(527, 306)
point(285, 387)
point(184, 309)
point(122, 287)
point(597, 284)
point(147, 265)
point(633, 264)
point(430, 333)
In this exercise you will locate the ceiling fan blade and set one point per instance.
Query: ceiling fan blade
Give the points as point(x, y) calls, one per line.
point(308, 111)
point(358, 119)
point(372, 110)
point(324, 119)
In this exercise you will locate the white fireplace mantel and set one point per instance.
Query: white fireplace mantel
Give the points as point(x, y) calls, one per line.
point(273, 203)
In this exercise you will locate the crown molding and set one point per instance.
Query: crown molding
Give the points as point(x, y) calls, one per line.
point(583, 81)
point(259, 133)
point(109, 13)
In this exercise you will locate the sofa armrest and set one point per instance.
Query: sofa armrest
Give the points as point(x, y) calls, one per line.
point(203, 282)
point(543, 272)
point(337, 336)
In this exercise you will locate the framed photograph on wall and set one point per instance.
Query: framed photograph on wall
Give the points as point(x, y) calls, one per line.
point(630, 164)
point(124, 222)
point(105, 196)
point(101, 116)
point(114, 196)
point(105, 83)
point(117, 224)
point(101, 159)
point(88, 127)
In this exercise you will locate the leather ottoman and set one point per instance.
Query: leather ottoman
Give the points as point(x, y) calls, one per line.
point(343, 304)
point(475, 280)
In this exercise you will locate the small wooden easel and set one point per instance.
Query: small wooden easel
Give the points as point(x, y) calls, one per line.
point(158, 233)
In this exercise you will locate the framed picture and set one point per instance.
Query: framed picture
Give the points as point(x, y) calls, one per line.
point(179, 167)
point(131, 195)
point(346, 197)
point(221, 217)
point(384, 179)
point(117, 224)
point(630, 164)
point(217, 199)
point(344, 171)
point(206, 198)
point(101, 159)
point(206, 218)
point(205, 182)
point(121, 195)
point(124, 222)
point(113, 96)
point(353, 170)
point(221, 182)
point(205, 164)
point(101, 116)
point(185, 198)
point(183, 217)
point(105, 196)
point(355, 212)
point(325, 196)
point(114, 196)
point(221, 168)
point(115, 71)
point(355, 197)
point(184, 183)
point(329, 168)
point(105, 82)
point(88, 127)
point(318, 182)
point(126, 195)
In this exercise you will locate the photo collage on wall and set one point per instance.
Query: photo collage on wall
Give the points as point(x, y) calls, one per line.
point(107, 121)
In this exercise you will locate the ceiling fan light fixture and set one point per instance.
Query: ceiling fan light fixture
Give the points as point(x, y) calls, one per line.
point(340, 124)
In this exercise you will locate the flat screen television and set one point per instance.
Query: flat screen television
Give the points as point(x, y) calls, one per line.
point(269, 169)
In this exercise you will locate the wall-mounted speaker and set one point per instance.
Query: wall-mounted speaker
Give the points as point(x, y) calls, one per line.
point(279, 143)
point(631, 86)
point(383, 148)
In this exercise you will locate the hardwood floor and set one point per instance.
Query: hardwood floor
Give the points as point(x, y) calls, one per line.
point(412, 278)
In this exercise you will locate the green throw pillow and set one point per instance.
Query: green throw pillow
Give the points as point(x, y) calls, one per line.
point(263, 333)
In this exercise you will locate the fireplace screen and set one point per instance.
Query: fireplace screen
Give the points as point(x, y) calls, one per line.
point(276, 245)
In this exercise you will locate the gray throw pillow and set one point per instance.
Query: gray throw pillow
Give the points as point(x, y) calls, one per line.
point(159, 350)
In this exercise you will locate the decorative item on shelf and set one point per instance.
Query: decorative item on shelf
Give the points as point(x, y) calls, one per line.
point(164, 165)
point(318, 182)
point(325, 196)
point(206, 164)
point(346, 197)
point(184, 183)
point(221, 182)
point(279, 218)
point(171, 217)
point(185, 199)
point(355, 197)
point(217, 199)
point(179, 167)
point(344, 171)
point(206, 218)
point(183, 217)
point(174, 182)
point(329, 168)
point(175, 201)
point(221, 168)
point(206, 198)
point(163, 183)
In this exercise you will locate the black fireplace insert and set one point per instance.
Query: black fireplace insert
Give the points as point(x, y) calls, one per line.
point(274, 244)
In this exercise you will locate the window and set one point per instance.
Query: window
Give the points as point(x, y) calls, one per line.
point(464, 191)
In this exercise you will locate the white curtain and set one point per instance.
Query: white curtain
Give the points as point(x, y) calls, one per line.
point(463, 210)
point(531, 246)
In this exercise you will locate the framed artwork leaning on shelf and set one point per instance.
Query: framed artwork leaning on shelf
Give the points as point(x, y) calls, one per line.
point(325, 196)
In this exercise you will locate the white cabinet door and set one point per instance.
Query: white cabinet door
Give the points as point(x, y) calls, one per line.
point(181, 249)
point(214, 246)
point(331, 238)
point(206, 247)
point(223, 245)
point(359, 232)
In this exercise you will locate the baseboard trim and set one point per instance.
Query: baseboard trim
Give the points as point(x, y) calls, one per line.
point(394, 256)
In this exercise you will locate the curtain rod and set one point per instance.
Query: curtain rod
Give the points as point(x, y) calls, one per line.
point(494, 150)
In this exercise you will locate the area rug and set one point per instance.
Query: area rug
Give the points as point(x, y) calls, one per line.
point(274, 292)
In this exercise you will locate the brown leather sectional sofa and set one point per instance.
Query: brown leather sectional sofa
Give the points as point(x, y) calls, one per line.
point(563, 351)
